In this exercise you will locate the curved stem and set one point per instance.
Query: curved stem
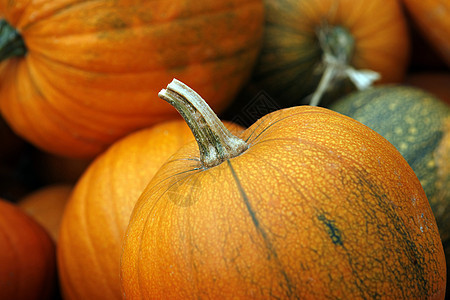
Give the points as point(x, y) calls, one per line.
point(216, 143)
point(11, 42)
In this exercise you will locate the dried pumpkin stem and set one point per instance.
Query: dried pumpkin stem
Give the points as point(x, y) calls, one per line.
point(216, 143)
point(338, 46)
point(11, 42)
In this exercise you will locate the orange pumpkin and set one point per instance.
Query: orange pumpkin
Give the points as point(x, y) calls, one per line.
point(432, 18)
point(97, 214)
point(27, 257)
point(304, 204)
point(87, 72)
point(46, 205)
point(313, 47)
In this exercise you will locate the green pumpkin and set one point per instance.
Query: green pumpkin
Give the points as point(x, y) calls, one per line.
point(418, 125)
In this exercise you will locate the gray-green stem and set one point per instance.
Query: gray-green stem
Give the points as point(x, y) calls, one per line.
point(337, 45)
point(216, 143)
point(11, 42)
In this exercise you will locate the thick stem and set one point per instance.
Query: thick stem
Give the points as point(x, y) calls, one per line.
point(11, 42)
point(216, 143)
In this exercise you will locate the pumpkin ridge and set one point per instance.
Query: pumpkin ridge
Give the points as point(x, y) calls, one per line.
point(271, 249)
point(83, 224)
point(79, 103)
point(55, 112)
point(243, 51)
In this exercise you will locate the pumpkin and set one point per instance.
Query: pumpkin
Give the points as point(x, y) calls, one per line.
point(432, 17)
point(27, 257)
point(314, 47)
point(98, 211)
point(76, 76)
point(436, 83)
point(418, 125)
point(46, 206)
point(304, 204)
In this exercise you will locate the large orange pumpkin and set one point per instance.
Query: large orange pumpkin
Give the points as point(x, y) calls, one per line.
point(27, 257)
point(317, 45)
point(46, 205)
point(87, 72)
point(305, 204)
point(98, 211)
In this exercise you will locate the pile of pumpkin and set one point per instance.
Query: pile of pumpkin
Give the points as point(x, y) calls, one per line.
point(328, 178)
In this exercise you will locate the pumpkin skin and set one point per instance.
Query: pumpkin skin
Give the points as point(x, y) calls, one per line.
point(46, 205)
point(98, 211)
point(418, 124)
point(118, 54)
point(319, 206)
point(432, 18)
point(27, 257)
point(291, 61)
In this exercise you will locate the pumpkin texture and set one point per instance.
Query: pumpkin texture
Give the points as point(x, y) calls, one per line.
point(46, 205)
point(312, 45)
point(418, 125)
point(304, 204)
point(98, 211)
point(77, 75)
point(27, 257)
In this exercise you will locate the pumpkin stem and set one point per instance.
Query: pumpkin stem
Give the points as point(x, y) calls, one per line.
point(338, 45)
point(216, 143)
point(11, 42)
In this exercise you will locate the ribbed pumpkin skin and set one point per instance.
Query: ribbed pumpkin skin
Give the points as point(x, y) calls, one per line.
point(433, 20)
point(418, 124)
point(98, 211)
point(27, 257)
point(46, 206)
point(93, 68)
point(318, 207)
point(289, 65)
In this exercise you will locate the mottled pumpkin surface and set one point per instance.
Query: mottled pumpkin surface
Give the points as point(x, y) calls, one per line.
point(319, 206)
point(418, 125)
point(415, 122)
